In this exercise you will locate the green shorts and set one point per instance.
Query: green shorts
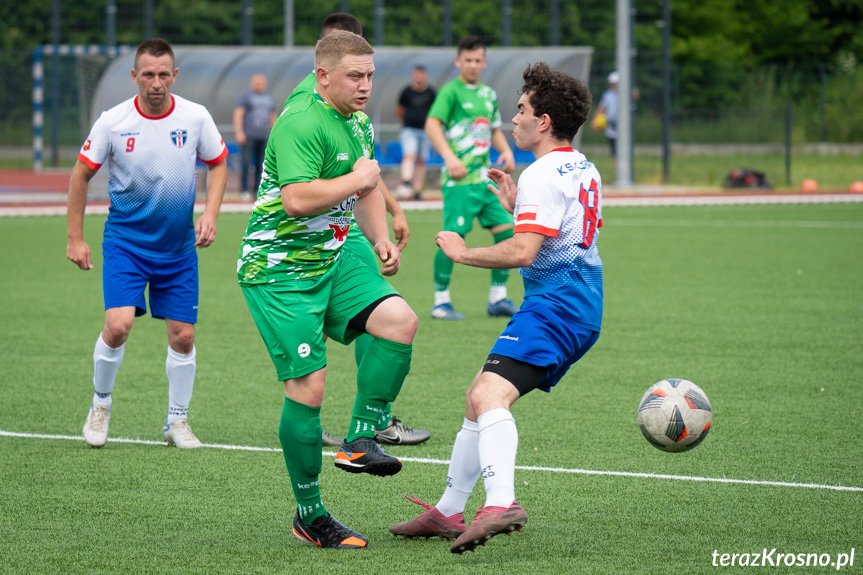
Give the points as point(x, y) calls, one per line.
point(357, 244)
point(461, 204)
point(292, 316)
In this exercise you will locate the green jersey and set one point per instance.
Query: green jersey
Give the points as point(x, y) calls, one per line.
point(306, 86)
point(309, 141)
point(468, 114)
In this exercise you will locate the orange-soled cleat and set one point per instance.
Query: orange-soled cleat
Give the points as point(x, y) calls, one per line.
point(328, 533)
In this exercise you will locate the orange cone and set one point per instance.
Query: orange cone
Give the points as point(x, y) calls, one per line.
point(857, 187)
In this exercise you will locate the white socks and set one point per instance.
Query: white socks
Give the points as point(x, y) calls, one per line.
point(180, 369)
point(106, 363)
point(496, 293)
point(489, 447)
point(498, 444)
point(441, 297)
point(463, 470)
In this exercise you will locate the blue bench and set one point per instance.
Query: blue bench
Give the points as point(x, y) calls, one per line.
point(391, 155)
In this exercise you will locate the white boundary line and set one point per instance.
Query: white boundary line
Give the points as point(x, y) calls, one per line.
point(446, 462)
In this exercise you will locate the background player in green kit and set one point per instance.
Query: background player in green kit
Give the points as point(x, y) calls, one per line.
point(389, 429)
point(300, 284)
point(463, 123)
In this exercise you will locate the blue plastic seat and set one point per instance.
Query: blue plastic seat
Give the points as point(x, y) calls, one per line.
point(393, 153)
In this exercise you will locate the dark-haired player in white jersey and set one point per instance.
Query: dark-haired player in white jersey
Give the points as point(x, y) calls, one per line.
point(557, 205)
point(151, 143)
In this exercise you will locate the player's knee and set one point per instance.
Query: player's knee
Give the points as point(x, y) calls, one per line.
point(409, 323)
point(392, 319)
point(116, 331)
point(481, 397)
point(404, 327)
point(182, 339)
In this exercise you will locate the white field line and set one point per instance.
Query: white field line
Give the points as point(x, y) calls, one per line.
point(446, 462)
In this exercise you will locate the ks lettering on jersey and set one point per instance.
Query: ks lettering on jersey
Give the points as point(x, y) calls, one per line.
point(568, 167)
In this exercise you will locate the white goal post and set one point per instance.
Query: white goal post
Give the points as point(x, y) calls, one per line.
point(89, 61)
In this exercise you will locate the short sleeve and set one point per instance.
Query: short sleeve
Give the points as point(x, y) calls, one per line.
point(496, 121)
point(211, 147)
point(299, 150)
point(97, 147)
point(442, 106)
point(541, 205)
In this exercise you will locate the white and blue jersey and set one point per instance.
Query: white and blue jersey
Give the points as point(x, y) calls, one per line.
point(560, 197)
point(152, 172)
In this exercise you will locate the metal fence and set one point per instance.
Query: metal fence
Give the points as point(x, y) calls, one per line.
point(823, 104)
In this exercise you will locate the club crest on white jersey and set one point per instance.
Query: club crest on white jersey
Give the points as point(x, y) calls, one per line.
point(179, 137)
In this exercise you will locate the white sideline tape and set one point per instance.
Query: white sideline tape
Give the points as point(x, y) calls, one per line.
point(446, 462)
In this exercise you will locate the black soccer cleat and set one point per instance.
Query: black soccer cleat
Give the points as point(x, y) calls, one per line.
point(364, 455)
point(328, 533)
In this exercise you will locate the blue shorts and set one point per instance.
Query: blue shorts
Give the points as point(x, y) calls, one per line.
point(173, 283)
point(537, 336)
point(415, 142)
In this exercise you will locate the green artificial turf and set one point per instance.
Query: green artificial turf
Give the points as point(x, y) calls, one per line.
point(761, 306)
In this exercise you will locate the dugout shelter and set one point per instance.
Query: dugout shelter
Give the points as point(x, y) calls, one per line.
point(216, 76)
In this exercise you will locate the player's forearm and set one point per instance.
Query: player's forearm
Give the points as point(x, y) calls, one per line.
point(308, 198)
point(392, 205)
point(75, 217)
point(517, 252)
point(76, 202)
point(434, 129)
point(238, 120)
point(217, 177)
point(371, 217)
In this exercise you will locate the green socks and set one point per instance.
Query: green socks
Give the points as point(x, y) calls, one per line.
point(380, 376)
point(361, 344)
point(442, 270)
point(300, 436)
point(499, 277)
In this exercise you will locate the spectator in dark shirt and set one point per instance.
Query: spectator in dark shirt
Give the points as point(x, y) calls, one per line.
point(412, 108)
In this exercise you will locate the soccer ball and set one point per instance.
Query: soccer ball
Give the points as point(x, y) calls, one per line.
point(674, 415)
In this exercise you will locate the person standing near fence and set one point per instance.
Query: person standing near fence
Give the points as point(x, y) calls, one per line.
point(413, 108)
point(151, 143)
point(605, 117)
point(463, 125)
point(254, 115)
